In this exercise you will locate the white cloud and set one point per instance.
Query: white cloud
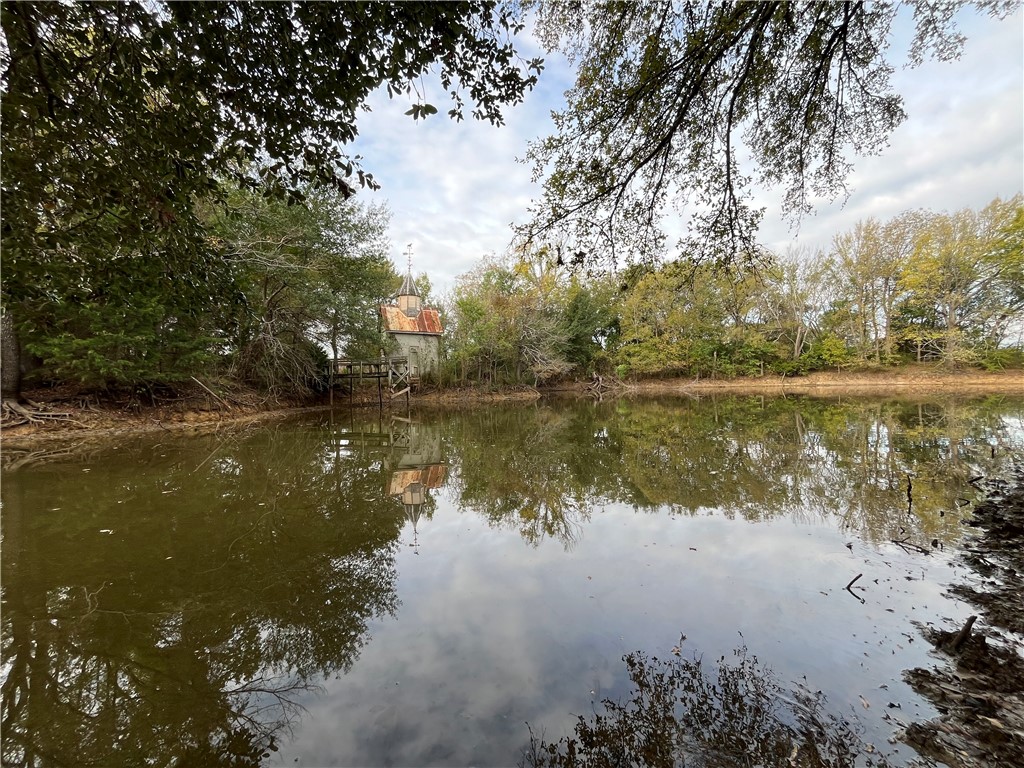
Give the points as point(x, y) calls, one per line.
point(961, 146)
point(453, 188)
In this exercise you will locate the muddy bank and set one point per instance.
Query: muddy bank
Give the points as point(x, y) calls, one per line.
point(48, 417)
point(66, 414)
point(56, 419)
point(909, 380)
point(471, 396)
point(979, 684)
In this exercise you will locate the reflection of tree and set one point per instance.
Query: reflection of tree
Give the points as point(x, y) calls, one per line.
point(187, 634)
point(541, 470)
point(760, 458)
point(538, 471)
point(681, 713)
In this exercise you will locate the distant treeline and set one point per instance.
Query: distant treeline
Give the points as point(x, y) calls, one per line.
point(270, 289)
point(936, 287)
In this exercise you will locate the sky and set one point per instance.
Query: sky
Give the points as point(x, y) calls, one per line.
point(454, 189)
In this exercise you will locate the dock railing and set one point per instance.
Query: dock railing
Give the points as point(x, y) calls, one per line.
point(393, 369)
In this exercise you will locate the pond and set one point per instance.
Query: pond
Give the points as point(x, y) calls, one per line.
point(354, 589)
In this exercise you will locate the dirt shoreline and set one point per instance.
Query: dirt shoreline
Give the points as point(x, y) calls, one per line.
point(911, 381)
point(196, 411)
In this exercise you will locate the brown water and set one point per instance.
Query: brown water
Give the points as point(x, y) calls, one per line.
point(354, 590)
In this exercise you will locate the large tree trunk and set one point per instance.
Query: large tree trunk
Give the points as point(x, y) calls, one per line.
point(10, 359)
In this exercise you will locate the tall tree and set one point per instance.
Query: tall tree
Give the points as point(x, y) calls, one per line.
point(311, 275)
point(867, 265)
point(964, 280)
point(140, 104)
point(669, 93)
point(509, 322)
point(682, 318)
point(790, 308)
point(119, 116)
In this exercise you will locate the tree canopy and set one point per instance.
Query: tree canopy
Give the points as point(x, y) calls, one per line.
point(669, 96)
point(311, 277)
point(123, 121)
point(116, 114)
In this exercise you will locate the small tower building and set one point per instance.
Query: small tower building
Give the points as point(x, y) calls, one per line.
point(416, 329)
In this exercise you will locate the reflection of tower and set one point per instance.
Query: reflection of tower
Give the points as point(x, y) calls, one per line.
point(413, 496)
point(411, 485)
point(416, 470)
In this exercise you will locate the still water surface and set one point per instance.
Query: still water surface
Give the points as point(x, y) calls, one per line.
point(353, 590)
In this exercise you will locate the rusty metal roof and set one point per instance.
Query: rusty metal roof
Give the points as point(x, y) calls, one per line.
point(426, 321)
point(431, 476)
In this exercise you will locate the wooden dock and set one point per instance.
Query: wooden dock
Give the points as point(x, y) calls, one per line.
point(392, 370)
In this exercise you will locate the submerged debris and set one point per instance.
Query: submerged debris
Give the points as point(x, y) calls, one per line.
point(981, 696)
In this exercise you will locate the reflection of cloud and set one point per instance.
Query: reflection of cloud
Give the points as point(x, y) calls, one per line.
point(456, 682)
point(493, 633)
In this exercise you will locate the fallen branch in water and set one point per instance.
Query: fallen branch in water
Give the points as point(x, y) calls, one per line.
point(852, 582)
point(908, 546)
point(16, 459)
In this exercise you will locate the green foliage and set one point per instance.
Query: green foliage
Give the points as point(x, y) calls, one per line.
point(831, 351)
point(692, 319)
point(311, 274)
point(921, 286)
point(142, 105)
point(1001, 359)
point(797, 367)
point(962, 282)
point(126, 319)
point(123, 121)
point(526, 322)
point(282, 280)
point(589, 320)
point(119, 345)
point(867, 269)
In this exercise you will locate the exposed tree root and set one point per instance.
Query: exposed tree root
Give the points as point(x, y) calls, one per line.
point(599, 386)
point(13, 413)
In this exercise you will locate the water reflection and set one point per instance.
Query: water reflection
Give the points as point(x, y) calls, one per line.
point(747, 457)
point(416, 469)
point(176, 601)
point(685, 712)
point(173, 607)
